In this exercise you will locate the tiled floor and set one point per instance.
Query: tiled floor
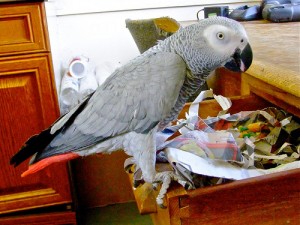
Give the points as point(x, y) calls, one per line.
point(118, 214)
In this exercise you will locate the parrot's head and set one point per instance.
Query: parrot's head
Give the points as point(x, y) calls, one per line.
point(215, 42)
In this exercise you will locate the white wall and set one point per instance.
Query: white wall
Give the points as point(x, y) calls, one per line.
point(97, 28)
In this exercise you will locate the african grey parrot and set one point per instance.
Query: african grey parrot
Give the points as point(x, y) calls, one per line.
point(141, 98)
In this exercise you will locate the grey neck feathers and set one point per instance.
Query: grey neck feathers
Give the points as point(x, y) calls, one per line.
point(190, 85)
point(192, 82)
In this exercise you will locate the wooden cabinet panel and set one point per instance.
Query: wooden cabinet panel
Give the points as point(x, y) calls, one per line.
point(56, 218)
point(22, 29)
point(28, 105)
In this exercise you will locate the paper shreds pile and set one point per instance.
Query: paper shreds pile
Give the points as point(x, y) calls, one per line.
point(231, 147)
point(275, 134)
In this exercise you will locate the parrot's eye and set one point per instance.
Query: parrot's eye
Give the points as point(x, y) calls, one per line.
point(220, 35)
point(242, 40)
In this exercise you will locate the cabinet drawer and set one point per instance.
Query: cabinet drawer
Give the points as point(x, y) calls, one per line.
point(22, 29)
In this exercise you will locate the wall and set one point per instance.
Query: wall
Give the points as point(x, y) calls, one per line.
point(98, 31)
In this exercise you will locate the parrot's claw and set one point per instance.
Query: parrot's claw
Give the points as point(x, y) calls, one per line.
point(137, 183)
point(165, 178)
point(155, 186)
point(186, 184)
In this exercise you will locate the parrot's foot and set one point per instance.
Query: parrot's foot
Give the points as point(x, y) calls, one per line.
point(165, 178)
point(155, 186)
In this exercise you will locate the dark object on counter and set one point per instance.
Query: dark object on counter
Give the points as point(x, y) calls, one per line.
point(281, 11)
point(214, 11)
point(246, 13)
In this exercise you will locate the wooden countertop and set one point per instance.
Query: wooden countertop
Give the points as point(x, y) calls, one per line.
point(275, 43)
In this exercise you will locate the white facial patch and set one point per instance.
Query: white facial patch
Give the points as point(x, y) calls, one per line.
point(221, 38)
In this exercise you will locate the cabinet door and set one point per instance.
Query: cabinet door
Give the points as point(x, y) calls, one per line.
point(22, 29)
point(28, 105)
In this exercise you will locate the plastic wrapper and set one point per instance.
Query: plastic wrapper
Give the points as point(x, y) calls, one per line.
point(69, 94)
point(78, 81)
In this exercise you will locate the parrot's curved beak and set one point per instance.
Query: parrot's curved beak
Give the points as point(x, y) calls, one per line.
point(240, 60)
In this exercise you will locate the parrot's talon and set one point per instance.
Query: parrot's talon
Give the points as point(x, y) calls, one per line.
point(159, 201)
point(155, 186)
point(166, 178)
point(186, 184)
point(137, 183)
point(162, 206)
point(189, 186)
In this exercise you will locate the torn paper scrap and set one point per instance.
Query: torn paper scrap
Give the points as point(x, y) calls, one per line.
point(220, 168)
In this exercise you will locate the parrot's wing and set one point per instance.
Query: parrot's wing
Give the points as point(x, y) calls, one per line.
point(135, 98)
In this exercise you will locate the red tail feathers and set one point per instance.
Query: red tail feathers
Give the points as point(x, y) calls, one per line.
point(48, 161)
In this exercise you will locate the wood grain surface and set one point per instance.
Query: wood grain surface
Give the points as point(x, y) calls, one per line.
point(275, 43)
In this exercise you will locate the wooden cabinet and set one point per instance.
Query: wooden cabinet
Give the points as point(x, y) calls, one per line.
point(23, 29)
point(28, 105)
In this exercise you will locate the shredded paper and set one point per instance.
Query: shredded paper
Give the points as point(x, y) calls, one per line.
point(220, 149)
point(230, 147)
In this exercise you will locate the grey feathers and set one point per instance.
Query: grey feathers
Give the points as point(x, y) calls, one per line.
point(135, 98)
point(148, 91)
